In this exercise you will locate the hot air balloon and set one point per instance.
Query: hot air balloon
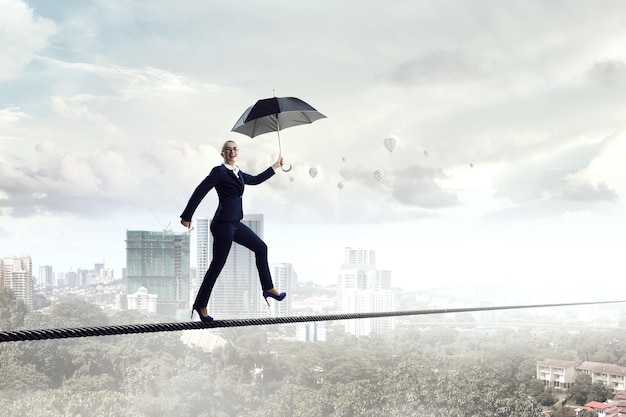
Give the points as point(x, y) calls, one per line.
point(378, 174)
point(426, 153)
point(291, 179)
point(390, 142)
point(340, 185)
point(312, 172)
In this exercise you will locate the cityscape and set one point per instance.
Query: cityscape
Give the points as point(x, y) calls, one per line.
point(159, 279)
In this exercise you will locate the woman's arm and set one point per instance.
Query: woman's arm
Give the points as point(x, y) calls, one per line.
point(201, 190)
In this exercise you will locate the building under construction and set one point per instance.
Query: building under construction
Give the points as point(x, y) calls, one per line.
point(159, 262)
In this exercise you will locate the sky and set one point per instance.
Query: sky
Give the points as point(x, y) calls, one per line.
point(509, 116)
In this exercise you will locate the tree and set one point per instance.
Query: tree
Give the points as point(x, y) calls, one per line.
point(540, 393)
point(579, 390)
point(12, 310)
point(599, 392)
point(16, 376)
point(69, 403)
point(564, 412)
point(40, 301)
point(78, 314)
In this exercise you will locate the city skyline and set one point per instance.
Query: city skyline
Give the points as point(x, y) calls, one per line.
point(511, 141)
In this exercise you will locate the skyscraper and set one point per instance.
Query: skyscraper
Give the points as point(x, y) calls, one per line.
point(202, 254)
point(237, 292)
point(285, 279)
point(16, 274)
point(159, 261)
point(46, 276)
point(361, 288)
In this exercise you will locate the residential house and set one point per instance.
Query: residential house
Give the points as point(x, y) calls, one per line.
point(612, 376)
point(556, 373)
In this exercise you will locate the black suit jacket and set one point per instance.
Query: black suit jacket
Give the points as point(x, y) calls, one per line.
point(229, 191)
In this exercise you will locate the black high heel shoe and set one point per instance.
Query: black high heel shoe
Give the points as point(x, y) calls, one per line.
point(278, 297)
point(203, 319)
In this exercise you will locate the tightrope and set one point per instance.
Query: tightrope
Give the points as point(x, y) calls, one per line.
point(64, 333)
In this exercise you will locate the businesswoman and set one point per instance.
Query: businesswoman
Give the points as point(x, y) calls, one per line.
point(226, 227)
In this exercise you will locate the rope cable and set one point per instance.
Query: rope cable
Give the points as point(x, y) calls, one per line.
point(64, 333)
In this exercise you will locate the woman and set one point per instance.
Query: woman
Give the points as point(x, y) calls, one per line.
point(226, 227)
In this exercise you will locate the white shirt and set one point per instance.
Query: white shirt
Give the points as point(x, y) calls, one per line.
point(234, 170)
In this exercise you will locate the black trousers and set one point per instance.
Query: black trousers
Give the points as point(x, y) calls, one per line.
point(224, 234)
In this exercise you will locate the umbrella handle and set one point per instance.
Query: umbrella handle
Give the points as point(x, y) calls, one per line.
point(280, 151)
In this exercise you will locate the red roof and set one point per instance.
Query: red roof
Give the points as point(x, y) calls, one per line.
point(596, 405)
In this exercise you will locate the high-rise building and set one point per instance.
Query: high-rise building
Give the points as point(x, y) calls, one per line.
point(159, 262)
point(71, 279)
point(359, 256)
point(46, 276)
point(237, 292)
point(202, 253)
point(16, 274)
point(285, 279)
point(361, 288)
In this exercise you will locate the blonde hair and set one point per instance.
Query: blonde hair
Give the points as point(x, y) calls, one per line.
point(227, 142)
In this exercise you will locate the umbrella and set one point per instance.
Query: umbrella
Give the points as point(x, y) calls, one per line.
point(273, 115)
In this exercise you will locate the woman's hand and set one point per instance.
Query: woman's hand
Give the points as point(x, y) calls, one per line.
point(278, 163)
point(186, 224)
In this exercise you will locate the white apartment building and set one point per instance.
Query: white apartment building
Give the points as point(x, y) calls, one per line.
point(612, 376)
point(361, 288)
point(16, 273)
point(561, 374)
point(556, 373)
point(142, 300)
point(368, 301)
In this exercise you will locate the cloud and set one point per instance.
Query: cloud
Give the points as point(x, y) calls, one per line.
point(607, 72)
point(11, 115)
point(602, 177)
point(589, 192)
point(439, 66)
point(22, 35)
point(131, 82)
point(419, 187)
point(67, 182)
point(545, 174)
point(78, 108)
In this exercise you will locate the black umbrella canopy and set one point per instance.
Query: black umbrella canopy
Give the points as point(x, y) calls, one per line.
point(275, 114)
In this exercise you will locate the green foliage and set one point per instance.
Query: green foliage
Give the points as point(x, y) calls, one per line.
point(564, 412)
point(78, 314)
point(67, 403)
point(580, 389)
point(428, 372)
point(18, 376)
point(12, 310)
point(599, 392)
point(40, 301)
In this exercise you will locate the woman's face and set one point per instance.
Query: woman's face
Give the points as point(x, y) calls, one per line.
point(230, 152)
